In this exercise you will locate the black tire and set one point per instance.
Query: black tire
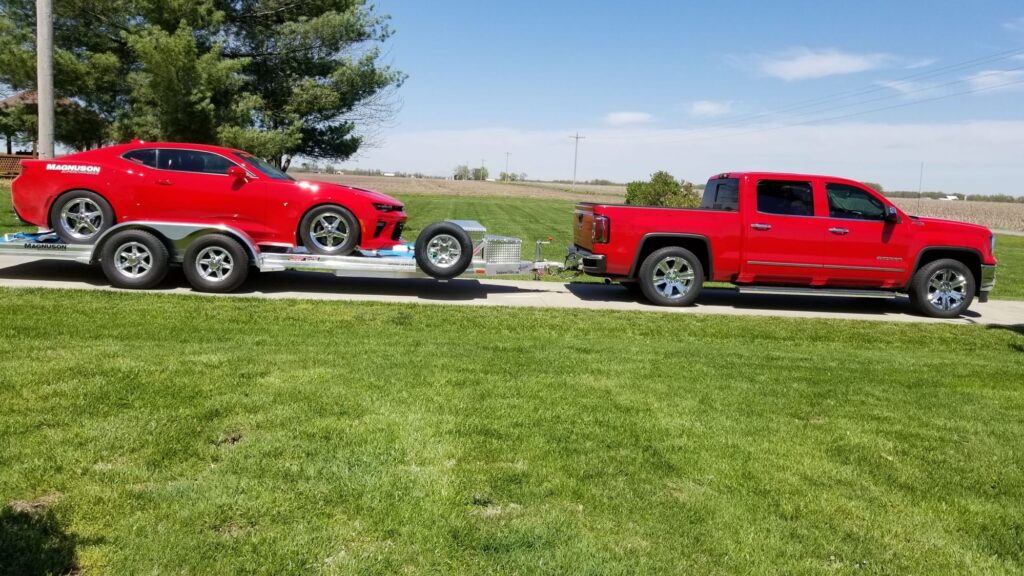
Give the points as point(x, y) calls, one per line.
point(953, 290)
point(689, 268)
point(68, 216)
point(315, 222)
point(216, 263)
point(125, 256)
point(444, 250)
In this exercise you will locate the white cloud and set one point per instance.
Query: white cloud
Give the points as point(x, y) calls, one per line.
point(627, 118)
point(1015, 25)
point(968, 157)
point(997, 80)
point(710, 108)
point(804, 63)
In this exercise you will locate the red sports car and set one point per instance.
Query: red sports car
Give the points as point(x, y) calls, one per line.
point(81, 195)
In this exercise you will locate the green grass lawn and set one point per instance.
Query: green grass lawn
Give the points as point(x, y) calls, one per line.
point(177, 434)
point(533, 219)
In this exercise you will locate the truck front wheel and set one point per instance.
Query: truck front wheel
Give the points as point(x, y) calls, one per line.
point(671, 276)
point(942, 289)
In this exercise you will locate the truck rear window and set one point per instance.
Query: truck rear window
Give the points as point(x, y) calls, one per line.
point(721, 194)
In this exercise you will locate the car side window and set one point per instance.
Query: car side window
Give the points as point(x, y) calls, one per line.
point(145, 157)
point(785, 197)
point(850, 202)
point(192, 161)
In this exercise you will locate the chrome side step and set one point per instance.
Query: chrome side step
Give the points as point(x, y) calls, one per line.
point(829, 292)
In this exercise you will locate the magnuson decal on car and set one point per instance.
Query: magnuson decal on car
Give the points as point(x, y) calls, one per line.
point(73, 169)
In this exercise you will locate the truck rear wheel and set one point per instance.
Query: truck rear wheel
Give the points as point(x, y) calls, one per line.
point(444, 250)
point(943, 288)
point(216, 263)
point(671, 276)
point(134, 259)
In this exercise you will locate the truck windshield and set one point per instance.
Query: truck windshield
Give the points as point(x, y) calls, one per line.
point(269, 170)
point(721, 194)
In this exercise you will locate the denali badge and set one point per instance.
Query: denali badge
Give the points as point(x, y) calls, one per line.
point(73, 168)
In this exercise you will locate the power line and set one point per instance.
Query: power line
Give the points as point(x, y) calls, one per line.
point(576, 157)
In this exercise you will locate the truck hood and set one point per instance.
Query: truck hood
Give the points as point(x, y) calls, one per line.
point(372, 196)
point(952, 225)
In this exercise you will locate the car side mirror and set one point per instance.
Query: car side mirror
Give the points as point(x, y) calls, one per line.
point(238, 173)
point(891, 215)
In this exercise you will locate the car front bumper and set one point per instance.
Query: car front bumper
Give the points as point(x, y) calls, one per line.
point(988, 281)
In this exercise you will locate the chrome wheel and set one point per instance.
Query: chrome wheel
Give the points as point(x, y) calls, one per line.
point(444, 250)
point(133, 260)
point(947, 289)
point(329, 231)
point(214, 264)
point(81, 218)
point(673, 277)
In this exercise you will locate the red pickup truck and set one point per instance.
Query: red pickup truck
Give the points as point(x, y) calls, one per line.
point(791, 234)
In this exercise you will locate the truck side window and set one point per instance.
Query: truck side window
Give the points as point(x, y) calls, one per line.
point(850, 202)
point(721, 194)
point(785, 197)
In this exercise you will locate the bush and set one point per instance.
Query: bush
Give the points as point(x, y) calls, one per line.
point(662, 190)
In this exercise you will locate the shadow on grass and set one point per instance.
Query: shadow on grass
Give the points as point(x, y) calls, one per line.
point(1017, 329)
point(32, 541)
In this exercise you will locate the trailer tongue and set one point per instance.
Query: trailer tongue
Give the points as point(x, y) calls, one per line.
point(137, 254)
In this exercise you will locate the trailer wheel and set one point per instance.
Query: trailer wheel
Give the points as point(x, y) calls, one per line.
point(444, 250)
point(80, 216)
point(671, 276)
point(330, 230)
point(134, 259)
point(216, 263)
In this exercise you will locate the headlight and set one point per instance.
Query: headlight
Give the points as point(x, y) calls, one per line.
point(387, 207)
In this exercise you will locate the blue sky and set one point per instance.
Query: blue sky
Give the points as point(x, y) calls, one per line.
point(697, 88)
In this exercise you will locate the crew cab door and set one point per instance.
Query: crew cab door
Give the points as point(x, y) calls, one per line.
point(194, 186)
point(782, 237)
point(862, 249)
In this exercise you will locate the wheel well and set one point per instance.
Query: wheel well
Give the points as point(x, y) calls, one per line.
point(49, 211)
point(970, 259)
point(696, 244)
point(298, 227)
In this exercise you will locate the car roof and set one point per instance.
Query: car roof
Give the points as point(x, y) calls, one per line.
point(786, 176)
point(140, 144)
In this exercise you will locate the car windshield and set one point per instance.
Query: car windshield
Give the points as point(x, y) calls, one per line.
point(265, 167)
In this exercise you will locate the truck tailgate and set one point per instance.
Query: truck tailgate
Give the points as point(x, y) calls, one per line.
point(583, 226)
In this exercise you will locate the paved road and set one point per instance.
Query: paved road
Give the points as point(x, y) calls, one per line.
point(57, 274)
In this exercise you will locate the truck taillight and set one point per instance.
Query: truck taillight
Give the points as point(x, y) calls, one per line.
point(601, 229)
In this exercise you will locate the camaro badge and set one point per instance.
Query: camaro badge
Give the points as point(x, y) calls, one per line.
point(73, 168)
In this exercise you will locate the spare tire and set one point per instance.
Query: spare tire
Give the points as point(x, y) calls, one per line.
point(444, 250)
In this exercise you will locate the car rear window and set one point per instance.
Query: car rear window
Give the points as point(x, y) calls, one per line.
point(145, 157)
point(721, 194)
point(785, 197)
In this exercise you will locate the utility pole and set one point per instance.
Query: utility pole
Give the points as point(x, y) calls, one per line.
point(44, 76)
point(507, 154)
point(576, 157)
point(920, 188)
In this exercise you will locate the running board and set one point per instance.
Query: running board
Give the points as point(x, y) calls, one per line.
point(829, 292)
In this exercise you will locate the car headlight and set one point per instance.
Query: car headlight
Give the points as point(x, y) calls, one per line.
point(387, 207)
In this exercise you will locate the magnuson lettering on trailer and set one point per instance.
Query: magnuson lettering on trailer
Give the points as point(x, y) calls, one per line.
point(45, 246)
point(73, 169)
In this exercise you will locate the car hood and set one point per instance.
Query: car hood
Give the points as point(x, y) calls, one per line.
point(372, 196)
point(953, 225)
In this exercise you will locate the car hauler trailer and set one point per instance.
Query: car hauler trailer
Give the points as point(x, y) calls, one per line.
point(218, 258)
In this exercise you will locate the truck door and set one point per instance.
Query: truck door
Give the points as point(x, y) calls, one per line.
point(862, 248)
point(782, 238)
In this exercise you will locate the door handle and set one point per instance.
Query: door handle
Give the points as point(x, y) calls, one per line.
point(839, 231)
point(761, 226)
point(164, 182)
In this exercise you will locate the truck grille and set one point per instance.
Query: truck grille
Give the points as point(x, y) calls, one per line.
point(502, 250)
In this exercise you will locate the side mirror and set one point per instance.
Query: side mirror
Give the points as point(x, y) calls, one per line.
point(238, 173)
point(891, 215)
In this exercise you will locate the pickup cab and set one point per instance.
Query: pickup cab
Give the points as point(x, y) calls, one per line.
point(790, 234)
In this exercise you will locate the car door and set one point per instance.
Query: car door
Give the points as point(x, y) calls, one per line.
point(782, 238)
point(862, 249)
point(194, 186)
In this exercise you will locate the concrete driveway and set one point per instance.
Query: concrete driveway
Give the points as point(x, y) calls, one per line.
point(17, 273)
